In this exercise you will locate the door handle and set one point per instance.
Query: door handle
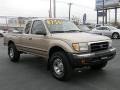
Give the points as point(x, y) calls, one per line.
point(30, 38)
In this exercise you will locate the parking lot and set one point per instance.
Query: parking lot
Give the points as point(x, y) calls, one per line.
point(31, 74)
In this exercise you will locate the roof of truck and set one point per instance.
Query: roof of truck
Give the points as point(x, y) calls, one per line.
point(46, 19)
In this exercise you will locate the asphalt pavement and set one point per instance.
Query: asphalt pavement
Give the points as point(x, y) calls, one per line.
point(31, 74)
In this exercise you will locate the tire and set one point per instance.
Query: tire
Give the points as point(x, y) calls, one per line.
point(1, 35)
point(13, 53)
point(60, 66)
point(99, 66)
point(115, 36)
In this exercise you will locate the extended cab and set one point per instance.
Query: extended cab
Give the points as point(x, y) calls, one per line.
point(63, 46)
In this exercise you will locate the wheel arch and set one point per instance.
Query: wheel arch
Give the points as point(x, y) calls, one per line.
point(10, 42)
point(55, 49)
point(114, 33)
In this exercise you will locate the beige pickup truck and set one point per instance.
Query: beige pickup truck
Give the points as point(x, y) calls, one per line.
point(63, 46)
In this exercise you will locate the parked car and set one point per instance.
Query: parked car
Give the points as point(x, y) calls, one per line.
point(3, 32)
point(109, 31)
point(84, 28)
point(15, 30)
point(98, 25)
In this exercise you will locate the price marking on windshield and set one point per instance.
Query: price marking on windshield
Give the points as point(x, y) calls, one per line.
point(52, 22)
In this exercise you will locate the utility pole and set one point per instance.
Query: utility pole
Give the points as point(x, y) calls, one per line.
point(50, 11)
point(103, 11)
point(109, 16)
point(6, 22)
point(70, 4)
point(97, 17)
point(115, 15)
point(54, 7)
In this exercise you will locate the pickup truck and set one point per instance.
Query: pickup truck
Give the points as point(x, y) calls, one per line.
point(63, 46)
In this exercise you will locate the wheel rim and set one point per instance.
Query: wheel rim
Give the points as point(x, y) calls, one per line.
point(58, 66)
point(115, 36)
point(11, 53)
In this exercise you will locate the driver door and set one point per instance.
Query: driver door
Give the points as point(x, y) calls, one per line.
point(38, 41)
point(106, 31)
point(99, 30)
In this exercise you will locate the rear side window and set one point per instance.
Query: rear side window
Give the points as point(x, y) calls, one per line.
point(99, 28)
point(28, 26)
point(105, 28)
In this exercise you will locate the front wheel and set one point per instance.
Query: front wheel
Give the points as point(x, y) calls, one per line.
point(60, 66)
point(99, 66)
point(1, 35)
point(13, 53)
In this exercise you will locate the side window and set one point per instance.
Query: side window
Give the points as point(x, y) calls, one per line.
point(28, 26)
point(38, 27)
point(99, 28)
point(105, 28)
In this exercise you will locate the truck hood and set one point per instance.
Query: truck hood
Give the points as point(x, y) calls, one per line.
point(80, 37)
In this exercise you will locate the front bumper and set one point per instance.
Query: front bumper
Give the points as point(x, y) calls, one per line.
point(92, 58)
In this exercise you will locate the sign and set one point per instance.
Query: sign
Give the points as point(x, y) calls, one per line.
point(100, 14)
point(107, 3)
point(84, 18)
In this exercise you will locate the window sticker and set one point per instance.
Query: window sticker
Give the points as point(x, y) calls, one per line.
point(54, 22)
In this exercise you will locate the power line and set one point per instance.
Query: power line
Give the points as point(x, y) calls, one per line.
point(75, 4)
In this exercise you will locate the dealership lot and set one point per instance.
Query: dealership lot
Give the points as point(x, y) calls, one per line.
point(31, 74)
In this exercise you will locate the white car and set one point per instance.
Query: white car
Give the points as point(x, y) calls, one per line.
point(2, 33)
point(109, 31)
point(84, 28)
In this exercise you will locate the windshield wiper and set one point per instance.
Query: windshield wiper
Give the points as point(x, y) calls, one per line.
point(65, 31)
point(74, 31)
point(57, 31)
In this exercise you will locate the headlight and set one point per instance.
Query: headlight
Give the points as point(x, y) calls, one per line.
point(82, 47)
point(110, 43)
point(76, 46)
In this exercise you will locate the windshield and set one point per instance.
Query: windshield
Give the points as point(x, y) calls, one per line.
point(61, 26)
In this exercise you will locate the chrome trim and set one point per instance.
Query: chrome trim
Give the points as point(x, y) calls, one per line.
point(89, 55)
point(89, 48)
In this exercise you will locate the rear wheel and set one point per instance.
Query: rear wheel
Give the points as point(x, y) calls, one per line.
point(99, 66)
point(13, 53)
point(60, 66)
point(115, 36)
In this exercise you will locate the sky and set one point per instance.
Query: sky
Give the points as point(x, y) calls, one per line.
point(40, 8)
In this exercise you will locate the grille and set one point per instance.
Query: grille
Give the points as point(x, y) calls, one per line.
point(99, 46)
